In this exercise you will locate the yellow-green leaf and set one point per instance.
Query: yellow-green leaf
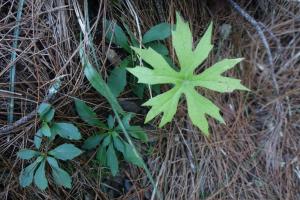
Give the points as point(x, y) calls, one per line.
point(185, 81)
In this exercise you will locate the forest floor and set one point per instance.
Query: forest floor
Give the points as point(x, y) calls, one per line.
point(254, 156)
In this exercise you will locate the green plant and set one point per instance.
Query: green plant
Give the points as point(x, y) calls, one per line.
point(108, 138)
point(185, 80)
point(36, 171)
point(151, 39)
point(50, 129)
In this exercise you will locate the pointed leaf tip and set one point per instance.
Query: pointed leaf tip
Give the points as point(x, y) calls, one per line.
point(185, 81)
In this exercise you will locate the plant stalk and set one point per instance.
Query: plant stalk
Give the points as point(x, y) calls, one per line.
point(12, 73)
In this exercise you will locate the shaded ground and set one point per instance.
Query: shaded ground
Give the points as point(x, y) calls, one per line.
point(254, 156)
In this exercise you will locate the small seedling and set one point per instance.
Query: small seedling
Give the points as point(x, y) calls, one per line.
point(50, 129)
point(36, 171)
point(184, 80)
point(110, 143)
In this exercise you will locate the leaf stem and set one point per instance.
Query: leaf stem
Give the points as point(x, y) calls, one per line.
point(155, 190)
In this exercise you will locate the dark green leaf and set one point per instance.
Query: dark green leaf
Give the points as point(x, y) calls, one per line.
point(87, 114)
point(101, 155)
point(118, 144)
point(134, 41)
point(92, 141)
point(61, 177)
point(53, 133)
point(65, 152)
point(66, 130)
point(117, 80)
point(49, 115)
point(126, 119)
point(46, 112)
point(40, 179)
point(106, 141)
point(110, 122)
point(138, 89)
point(158, 32)
point(156, 89)
point(99, 84)
point(38, 139)
point(27, 154)
point(26, 176)
point(112, 160)
point(53, 162)
point(138, 133)
point(43, 109)
point(116, 34)
point(159, 47)
point(131, 156)
point(45, 130)
point(127, 62)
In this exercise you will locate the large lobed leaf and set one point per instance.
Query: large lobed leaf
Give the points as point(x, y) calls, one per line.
point(185, 81)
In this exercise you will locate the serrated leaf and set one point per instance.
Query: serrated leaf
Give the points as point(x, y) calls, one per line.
point(27, 154)
point(40, 179)
point(45, 130)
point(131, 156)
point(158, 32)
point(138, 133)
point(112, 160)
point(26, 176)
point(92, 141)
point(52, 161)
point(65, 152)
point(66, 130)
point(212, 79)
point(119, 145)
point(62, 178)
point(184, 80)
point(106, 140)
point(117, 80)
point(87, 114)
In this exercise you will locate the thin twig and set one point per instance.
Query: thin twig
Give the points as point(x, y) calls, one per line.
point(189, 151)
point(5, 130)
point(260, 32)
point(12, 73)
point(159, 7)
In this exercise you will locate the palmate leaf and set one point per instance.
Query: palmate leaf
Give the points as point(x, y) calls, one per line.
point(185, 81)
